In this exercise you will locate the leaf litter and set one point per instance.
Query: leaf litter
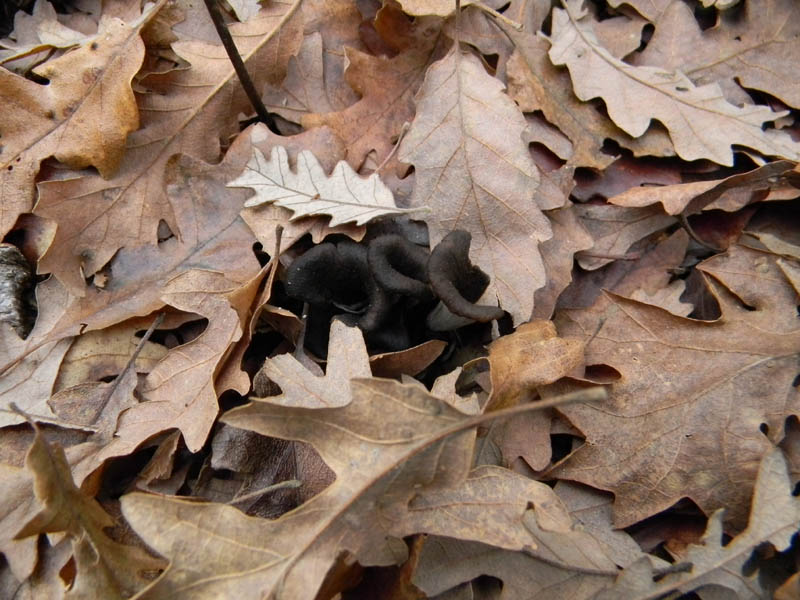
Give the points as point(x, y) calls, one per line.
point(546, 344)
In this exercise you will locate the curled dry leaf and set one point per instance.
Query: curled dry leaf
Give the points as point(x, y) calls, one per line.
point(343, 195)
point(215, 239)
point(615, 229)
point(440, 8)
point(179, 391)
point(535, 84)
point(244, 9)
point(264, 219)
point(569, 238)
point(37, 32)
point(409, 361)
point(475, 173)
point(532, 356)
point(772, 181)
point(635, 95)
point(445, 563)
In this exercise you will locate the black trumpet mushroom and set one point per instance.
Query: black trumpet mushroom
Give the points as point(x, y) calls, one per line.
point(456, 281)
point(388, 286)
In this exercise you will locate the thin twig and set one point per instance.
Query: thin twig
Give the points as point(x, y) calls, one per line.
point(238, 65)
point(403, 131)
point(130, 365)
point(289, 483)
point(629, 256)
point(500, 17)
point(16, 410)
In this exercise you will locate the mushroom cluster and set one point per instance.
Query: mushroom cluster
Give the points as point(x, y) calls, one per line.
point(381, 282)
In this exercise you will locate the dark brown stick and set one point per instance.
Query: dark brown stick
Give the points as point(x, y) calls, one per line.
point(238, 64)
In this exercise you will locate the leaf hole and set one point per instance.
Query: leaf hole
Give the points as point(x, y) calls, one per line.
point(705, 17)
point(561, 445)
point(164, 232)
point(647, 34)
point(261, 256)
point(611, 147)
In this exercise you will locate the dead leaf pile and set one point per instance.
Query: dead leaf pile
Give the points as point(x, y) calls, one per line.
point(177, 420)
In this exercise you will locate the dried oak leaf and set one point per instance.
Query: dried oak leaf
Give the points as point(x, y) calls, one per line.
point(82, 116)
point(304, 90)
point(111, 569)
point(569, 557)
point(338, 23)
point(215, 238)
point(615, 229)
point(343, 195)
point(650, 10)
point(28, 375)
point(535, 84)
point(447, 563)
point(774, 518)
point(440, 8)
point(771, 181)
point(532, 356)
point(701, 123)
point(315, 78)
point(687, 409)
point(244, 9)
point(184, 111)
point(263, 220)
point(387, 87)
point(475, 172)
point(179, 391)
point(347, 358)
point(380, 463)
point(757, 48)
point(407, 362)
point(569, 238)
point(34, 33)
point(402, 466)
point(647, 275)
point(17, 505)
point(96, 355)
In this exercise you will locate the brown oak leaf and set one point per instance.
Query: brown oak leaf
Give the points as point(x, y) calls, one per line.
point(686, 413)
point(475, 173)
